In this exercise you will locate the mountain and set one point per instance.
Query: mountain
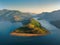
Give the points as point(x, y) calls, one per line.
point(56, 23)
point(50, 16)
point(13, 15)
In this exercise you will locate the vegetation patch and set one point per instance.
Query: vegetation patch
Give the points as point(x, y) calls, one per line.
point(33, 27)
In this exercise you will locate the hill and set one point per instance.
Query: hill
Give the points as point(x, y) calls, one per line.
point(33, 27)
point(13, 15)
point(50, 16)
point(56, 23)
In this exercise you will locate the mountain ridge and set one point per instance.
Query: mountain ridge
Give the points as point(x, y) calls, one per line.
point(13, 15)
point(50, 16)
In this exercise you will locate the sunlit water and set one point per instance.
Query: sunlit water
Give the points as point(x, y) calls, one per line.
point(6, 39)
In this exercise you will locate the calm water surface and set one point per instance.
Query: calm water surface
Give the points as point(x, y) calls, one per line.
point(6, 39)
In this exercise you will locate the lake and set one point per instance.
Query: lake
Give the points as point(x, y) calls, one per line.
point(7, 27)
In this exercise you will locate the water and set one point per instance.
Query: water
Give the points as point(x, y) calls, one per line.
point(6, 39)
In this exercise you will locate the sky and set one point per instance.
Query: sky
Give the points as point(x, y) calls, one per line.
point(32, 6)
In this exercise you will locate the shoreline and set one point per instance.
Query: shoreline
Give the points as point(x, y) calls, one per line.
point(26, 34)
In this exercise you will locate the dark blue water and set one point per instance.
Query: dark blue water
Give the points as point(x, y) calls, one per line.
point(6, 39)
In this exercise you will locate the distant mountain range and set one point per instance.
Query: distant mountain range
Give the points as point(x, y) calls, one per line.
point(13, 15)
point(50, 16)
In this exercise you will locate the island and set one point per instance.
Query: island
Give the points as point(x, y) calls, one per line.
point(33, 28)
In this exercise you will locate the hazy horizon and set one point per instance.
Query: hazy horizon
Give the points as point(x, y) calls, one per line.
point(32, 6)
